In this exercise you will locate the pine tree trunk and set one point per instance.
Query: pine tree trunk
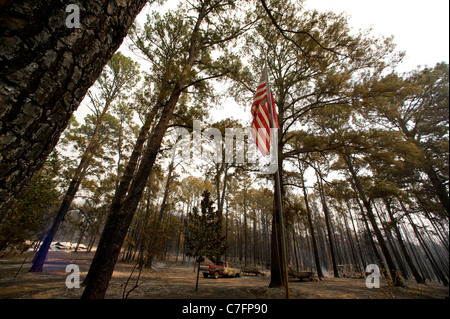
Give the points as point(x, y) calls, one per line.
point(142, 236)
point(311, 229)
point(39, 259)
point(358, 243)
point(255, 242)
point(122, 210)
point(438, 185)
point(120, 216)
point(277, 267)
point(295, 249)
point(411, 265)
point(276, 279)
point(351, 243)
point(441, 276)
point(412, 247)
point(245, 227)
point(221, 194)
point(396, 279)
point(155, 237)
point(47, 69)
point(328, 224)
point(78, 177)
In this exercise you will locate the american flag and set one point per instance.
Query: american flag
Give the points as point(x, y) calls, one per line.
point(261, 116)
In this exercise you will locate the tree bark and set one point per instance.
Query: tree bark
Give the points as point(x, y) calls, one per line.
point(439, 187)
point(311, 228)
point(78, 177)
point(277, 267)
point(46, 71)
point(120, 216)
point(155, 236)
point(245, 226)
point(396, 279)
point(328, 223)
point(358, 243)
point(122, 212)
point(441, 276)
point(276, 276)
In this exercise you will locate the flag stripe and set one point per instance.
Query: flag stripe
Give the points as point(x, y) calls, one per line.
point(261, 117)
point(260, 140)
point(264, 130)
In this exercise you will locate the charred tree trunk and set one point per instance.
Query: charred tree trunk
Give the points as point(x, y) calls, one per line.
point(395, 277)
point(439, 187)
point(120, 216)
point(311, 229)
point(277, 265)
point(441, 276)
point(122, 211)
point(47, 69)
point(155, 237)
point(326, 211)
point(276, 276)
point(246, 250)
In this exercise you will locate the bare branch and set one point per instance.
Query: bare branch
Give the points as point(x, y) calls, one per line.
point(284, 31)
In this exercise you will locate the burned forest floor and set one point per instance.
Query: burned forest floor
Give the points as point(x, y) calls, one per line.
point(171, 280)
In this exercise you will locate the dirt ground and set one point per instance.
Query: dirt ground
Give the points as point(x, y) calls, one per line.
point(177, 281)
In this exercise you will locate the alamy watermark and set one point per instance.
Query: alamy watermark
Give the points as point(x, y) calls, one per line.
point(373, 279)
point(211, 145)
point(73, 279)
point(73, 18)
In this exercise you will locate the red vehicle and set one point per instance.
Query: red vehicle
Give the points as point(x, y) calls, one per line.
point(222, 269)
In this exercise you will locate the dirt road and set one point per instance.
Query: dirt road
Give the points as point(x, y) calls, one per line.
point(177, 281)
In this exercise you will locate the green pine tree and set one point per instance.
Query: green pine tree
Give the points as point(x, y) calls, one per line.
point(203, 235)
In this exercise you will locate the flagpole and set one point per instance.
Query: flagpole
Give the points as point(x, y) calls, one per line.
point(282, 236)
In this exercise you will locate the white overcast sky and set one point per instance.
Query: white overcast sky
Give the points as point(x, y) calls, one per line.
point(420, 28)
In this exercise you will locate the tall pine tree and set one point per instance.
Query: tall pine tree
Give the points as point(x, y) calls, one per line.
point(203, 235)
